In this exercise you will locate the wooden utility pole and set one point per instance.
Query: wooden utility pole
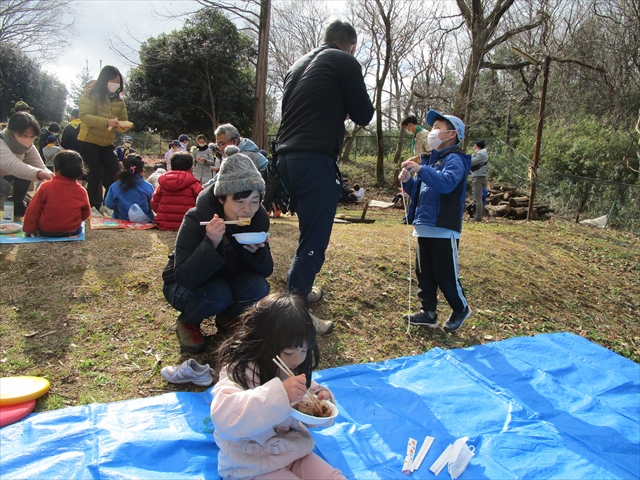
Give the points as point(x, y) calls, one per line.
point(536, 155)
point(259, 133)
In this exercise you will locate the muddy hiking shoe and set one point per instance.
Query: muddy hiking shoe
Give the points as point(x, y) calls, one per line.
point(422, 319)
point(314, 295)
point(323, 327)
point(190, 338)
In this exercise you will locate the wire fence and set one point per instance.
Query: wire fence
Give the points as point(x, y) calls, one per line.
point(572, 197)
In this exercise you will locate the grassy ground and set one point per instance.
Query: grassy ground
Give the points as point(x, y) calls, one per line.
point(90, 316)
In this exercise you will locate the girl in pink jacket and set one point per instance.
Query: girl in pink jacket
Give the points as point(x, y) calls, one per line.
point(251, 407)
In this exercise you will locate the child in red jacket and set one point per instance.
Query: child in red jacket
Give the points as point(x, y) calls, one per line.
point(60, 205)
point(176, 193)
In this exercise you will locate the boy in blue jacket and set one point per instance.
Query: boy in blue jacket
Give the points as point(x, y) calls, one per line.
point(438, 194)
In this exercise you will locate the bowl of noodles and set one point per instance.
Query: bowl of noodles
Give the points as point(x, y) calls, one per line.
point(308, 413)
point(251, 238)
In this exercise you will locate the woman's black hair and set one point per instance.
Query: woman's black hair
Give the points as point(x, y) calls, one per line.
point(68, 163)
point(99, 90)
point(277, 322)
point(20, 122)
point(238, 195)
point(133, 166)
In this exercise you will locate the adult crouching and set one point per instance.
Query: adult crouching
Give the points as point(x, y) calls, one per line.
point(210, 273)
point(20, 162)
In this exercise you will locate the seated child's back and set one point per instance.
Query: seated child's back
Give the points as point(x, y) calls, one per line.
point(60, 205)
point(130, 187)
point(176, 193)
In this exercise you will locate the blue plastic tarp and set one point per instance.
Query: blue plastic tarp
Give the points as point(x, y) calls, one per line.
point(549, 406)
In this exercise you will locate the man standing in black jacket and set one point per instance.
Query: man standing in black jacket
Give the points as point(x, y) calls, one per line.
point(321, 90)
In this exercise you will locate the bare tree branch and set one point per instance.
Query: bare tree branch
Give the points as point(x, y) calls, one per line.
point(34, 24)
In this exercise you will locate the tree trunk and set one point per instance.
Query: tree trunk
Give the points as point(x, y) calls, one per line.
point(259, 133)
point(380, 180)
point(348, 144)
point(462, 104)
point(397, 158)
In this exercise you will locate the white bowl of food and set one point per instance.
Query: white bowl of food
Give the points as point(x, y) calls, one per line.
point(251, 238)
point(9, 227)
point(307, 412)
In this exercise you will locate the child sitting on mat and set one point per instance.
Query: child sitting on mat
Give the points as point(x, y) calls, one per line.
point(251, 407)
point(60, 205)
point(176, 193)
point(130, 188)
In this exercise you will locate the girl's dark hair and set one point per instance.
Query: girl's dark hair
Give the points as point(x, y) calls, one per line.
point(133, 166)
point(20, 122)
point(201, 137)
point(99, 90)
point(277, 322)
point(68, 163)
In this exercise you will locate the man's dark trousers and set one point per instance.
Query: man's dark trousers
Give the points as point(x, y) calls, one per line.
point(314, 185)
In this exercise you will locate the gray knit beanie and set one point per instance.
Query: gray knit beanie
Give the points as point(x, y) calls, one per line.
point(237, 174)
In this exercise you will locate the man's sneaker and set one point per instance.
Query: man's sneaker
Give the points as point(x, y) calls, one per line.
point(314, 295)
point(189, 371)
point(95, 212)
point(190, 338)
point(455, 320)
point(422, 319)
point(323, 327)
point(107, 212)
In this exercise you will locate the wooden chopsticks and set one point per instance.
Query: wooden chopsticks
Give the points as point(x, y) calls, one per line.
point(240, 221)
point(283, 366)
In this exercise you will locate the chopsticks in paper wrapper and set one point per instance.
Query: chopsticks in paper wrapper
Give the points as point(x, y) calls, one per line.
point(410, 463)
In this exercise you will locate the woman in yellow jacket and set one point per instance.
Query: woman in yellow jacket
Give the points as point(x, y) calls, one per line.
point(101, 111)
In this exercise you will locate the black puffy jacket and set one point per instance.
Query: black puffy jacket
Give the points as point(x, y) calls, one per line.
point(196, 260)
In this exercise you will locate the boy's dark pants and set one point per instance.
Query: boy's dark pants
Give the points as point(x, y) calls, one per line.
point(314, 185)
point(437, 266)
point(103, 165)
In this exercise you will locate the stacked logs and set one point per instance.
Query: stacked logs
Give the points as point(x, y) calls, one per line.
point(504, 200)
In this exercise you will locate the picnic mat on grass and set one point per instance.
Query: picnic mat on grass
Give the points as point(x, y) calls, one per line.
point(20, 238)
point(549, 406)
point(102, 223)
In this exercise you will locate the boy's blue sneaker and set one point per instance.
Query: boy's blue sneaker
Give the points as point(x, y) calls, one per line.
point(456, 319)
point(422, 319)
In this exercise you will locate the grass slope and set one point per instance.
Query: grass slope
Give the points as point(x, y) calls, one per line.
point(90, 316)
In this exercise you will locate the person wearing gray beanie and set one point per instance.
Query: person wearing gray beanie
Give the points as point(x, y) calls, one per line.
point(237, 174)
point(210, 272)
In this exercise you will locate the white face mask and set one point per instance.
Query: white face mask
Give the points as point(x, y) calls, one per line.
point(460, 456)
point(127, 144)
point(434, 139)
point(113, 86)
